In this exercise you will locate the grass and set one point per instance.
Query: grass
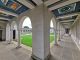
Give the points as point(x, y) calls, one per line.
point(27, 39)
point(51, 38)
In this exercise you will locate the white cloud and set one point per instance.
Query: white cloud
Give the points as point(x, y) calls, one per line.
point(27, 22)
point(51, 24)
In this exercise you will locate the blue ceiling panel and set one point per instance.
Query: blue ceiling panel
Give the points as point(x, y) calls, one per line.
point(21, 9)
point(77, 9)
point(13, 6)
point(1, 2)
point(3, 6)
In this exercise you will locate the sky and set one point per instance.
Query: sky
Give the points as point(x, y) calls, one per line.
point(27, 22)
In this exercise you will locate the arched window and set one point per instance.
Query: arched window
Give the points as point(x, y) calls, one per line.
point(26, 37)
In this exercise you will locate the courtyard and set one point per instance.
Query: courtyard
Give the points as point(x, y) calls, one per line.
point(26, 39)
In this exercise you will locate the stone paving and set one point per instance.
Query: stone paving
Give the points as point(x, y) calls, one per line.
point(9, 52)
point(67, 50)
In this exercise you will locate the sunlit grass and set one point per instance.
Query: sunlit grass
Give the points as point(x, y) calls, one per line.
point(27, 39)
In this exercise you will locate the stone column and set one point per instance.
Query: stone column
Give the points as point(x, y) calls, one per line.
point(18, 32)
point(40, 17)
point(11, 34)
point(59, 32)
point(55, 32)
point(8, 34)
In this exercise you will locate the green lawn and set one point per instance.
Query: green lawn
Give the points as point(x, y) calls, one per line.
point(27, 39)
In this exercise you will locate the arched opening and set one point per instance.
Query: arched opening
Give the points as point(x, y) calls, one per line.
point(26, 32)
point(0, 35)
point(14, 34)
point(51, 33)
point(14, 31)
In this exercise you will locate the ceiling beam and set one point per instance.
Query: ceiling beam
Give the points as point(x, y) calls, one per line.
point(2, 18)
point(38, 2)
point(63, 4)
point(26, 3)
point(67, 16)
point(66, 25)
point(1, 21)
point(8, 13)
point(49, 2)
point(78, 17)
point(65, 21)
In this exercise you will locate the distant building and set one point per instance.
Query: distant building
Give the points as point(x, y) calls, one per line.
point(26, 30)
point(51, 30)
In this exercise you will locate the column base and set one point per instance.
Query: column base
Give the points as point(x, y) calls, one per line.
point(37, 58)
point(56, 44)
point(59, 40)
point(18, 47)
point(9, 42)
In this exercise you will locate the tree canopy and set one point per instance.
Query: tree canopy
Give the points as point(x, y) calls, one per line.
point(26, 27)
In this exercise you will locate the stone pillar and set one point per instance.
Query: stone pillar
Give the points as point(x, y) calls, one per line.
point(8, 35)
point(59, 32)
point(18, 32)
point(55, 33)
point(40, 17)
point(11, 34)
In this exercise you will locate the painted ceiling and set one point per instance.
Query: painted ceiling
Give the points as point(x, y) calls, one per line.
point(68, 9)
point(12, 6)
point(17, 7)
point(72, 8)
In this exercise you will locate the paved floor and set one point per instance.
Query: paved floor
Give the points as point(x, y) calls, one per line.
point(67, 50)
point(9, 52)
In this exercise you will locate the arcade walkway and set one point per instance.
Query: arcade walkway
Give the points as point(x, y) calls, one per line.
point(67, 50)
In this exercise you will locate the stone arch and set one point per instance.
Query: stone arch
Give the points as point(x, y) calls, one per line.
point(59, 29)
point(22, 20)
point(52, 30)
point(14, 30)
point(54, 21)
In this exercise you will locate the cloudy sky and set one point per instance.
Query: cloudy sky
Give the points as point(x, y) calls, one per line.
point(27, 22)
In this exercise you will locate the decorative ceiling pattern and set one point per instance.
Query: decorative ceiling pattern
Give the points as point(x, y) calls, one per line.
point(12, 6)
point(72, 8)
point(66, 9)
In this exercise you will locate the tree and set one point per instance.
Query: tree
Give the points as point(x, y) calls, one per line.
point(26, 27)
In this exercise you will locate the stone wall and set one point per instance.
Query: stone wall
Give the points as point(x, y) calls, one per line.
point(75, 33)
